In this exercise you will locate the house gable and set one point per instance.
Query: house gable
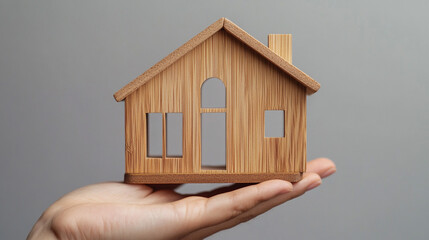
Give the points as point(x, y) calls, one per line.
point(252, 84)
point(223, 23)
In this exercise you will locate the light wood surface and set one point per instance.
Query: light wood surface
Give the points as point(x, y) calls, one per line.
point(237, 32)
point(281, 44)
point(212, 110)
point(172, 178)
point(290, 69)
point(253, 85)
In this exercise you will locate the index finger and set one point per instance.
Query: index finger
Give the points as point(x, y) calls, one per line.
point(322, 166)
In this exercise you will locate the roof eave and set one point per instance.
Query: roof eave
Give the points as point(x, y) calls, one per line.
point(167, 61)
point(311, 85)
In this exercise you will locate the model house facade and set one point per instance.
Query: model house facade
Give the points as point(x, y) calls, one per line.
point(225, 79)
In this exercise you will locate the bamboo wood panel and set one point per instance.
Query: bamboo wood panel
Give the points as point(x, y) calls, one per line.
point(207, 177)
point(240, 34)
point(281, 44)
point(212, 110)
point(253, 85)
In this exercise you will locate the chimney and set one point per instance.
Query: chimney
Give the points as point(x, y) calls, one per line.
point(281, 44)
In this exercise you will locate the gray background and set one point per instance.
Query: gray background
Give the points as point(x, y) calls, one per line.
point(60, 128)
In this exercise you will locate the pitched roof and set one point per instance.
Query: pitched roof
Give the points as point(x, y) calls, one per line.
point(223, 23)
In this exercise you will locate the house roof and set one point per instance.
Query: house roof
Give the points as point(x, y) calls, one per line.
point(223, 23)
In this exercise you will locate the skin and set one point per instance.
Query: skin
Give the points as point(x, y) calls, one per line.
point(122, 211)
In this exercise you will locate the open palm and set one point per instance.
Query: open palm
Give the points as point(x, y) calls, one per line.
point(123, 211)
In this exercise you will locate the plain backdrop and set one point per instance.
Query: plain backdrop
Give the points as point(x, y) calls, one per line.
point(60, 128)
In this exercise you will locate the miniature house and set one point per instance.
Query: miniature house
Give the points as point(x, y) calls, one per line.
point(222, 85)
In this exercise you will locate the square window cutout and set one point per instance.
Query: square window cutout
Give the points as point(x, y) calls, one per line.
point(274, 123)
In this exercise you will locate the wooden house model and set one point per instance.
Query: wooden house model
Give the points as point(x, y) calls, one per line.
point(221, 77)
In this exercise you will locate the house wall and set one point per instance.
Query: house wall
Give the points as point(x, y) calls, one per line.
point(253, 85)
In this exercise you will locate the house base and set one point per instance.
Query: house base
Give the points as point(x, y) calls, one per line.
point(175, 178)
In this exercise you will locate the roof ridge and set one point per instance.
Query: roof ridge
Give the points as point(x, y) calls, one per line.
point(238, 33)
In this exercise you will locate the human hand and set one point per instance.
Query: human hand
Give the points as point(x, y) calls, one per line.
point(123, 211)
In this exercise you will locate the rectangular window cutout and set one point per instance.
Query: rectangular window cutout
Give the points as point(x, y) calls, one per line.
point(174, 134)
point(154, 134)
point(213, 141)
point(274, 123)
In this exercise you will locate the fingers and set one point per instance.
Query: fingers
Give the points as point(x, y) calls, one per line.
point(164, 186)
point(224, 189)
point(202, 212)
point(231, 204)
point(317, 169)
point(322, 166)
point(162, 196)
point(242, 202)
point(310, 181)
point(162, 193)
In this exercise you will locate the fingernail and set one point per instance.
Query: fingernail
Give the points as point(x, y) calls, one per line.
point(328, 172)
point(313, 185)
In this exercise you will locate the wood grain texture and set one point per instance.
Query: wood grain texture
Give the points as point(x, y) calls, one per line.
point(296, 73)
point(253, 85)
point(167, 61)
point(172, 178)
point(236, 31)
point(212, 110)
point(281, 44)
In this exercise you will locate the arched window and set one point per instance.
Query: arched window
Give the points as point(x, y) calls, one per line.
point(213, 124)
point(213, 94)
